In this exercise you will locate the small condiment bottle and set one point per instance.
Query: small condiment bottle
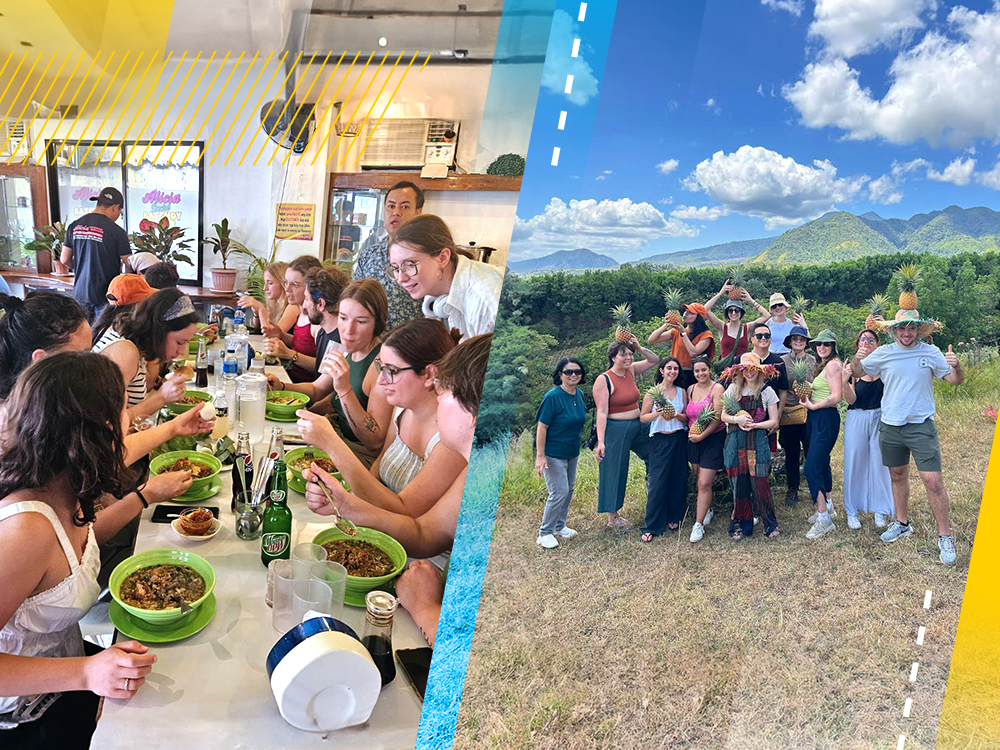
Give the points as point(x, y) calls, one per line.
point(377, 638)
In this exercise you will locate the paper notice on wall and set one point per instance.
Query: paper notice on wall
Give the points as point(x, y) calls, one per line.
point(296, 221)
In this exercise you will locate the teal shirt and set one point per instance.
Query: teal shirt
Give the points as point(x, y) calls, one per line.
point(358, 371)
point(564, 415)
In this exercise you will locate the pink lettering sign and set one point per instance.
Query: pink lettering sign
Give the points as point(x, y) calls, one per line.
point(85, 193)
point(159, 197)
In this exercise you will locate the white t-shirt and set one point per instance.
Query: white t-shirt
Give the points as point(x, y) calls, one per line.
point(471, 303)
point(908, 374)
point(767, 396)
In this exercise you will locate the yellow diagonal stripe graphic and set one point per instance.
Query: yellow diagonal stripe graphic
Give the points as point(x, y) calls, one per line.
point(284, 109)
point(318, 99)
point(11, 80)
point(27, 102)
point(267, 114)
point(52, 109)
point(98, 106)
point(372, 106)
point(167, 112)
point(121, 89)
point(357, 106)
point(44, 97)
point(198, 108)
point(222, 115)
point(159, 99)
point(126, 108)
point(386, 107)
point(230, 130)
point(256, 108)
point(322, 69)
point(169, 134)
point(325, 113)
point(138, 111)
point(66, 108)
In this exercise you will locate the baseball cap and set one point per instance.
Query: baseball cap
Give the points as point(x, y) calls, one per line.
point(127, 289)
point(110, 196)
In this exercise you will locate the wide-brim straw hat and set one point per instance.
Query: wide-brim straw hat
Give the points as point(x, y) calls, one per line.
point(826, 336)
point(925, 326)
point(750, 361)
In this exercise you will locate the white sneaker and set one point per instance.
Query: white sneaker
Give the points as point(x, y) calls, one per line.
point(697, 532)
point(813, 518)
point(547, 541)
point(853, 522)
point(947, 546)
point(566, 532)
point(756, 520)
point(708, 517)
point(821, 527)
point(881, 521)
point(830, 509)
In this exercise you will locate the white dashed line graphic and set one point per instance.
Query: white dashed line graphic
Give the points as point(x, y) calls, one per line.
point(562, 120)
point(583, 12)
point(576, 48)
point(908, 703)
point(555, 156)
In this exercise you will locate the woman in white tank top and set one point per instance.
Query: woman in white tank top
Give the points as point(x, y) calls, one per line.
point(62, 448)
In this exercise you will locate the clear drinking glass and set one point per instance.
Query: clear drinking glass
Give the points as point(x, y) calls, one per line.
point(304, 559)
point(311, 594)
point(248, 517)
point(334, 575)
point(282, 614)
point(251, 399)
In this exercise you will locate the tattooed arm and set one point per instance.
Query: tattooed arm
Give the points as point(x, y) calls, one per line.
point(372, 425)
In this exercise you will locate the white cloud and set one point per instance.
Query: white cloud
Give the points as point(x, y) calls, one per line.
point(945, 89)
point(990, 179)
point(884, 190)
point(667, 201)
point(712, 107)
point(762, 183)
point(559, 64)
point(795, 7)
point(849, 27)
point(907, 167)
point(703, 213)
point(604, 175)
point(603, 226)
point(760, 89)
point(668, 166)
point(959, 172)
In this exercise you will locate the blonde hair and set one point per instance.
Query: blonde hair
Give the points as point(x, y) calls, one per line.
point(276, 308)
point(739, 383)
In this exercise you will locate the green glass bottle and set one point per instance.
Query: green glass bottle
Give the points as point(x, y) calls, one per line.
point(276, 536)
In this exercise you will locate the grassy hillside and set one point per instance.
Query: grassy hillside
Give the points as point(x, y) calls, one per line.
point(837, 237)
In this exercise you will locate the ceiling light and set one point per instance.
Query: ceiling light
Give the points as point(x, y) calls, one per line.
point(382, 41)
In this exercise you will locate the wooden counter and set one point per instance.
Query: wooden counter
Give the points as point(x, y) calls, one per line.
point(198, 294)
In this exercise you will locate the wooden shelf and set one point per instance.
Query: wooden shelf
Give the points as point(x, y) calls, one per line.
point(385, 180)
point(199, 294)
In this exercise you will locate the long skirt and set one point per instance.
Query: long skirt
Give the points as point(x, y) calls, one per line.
point(824, 429)
point(621, 437)
point(867, 486)
point(748, 466)
point(668, 473)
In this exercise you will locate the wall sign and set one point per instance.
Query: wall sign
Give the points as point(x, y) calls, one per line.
point(296, 221)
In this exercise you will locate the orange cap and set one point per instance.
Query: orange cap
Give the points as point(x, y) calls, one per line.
point(127, 289)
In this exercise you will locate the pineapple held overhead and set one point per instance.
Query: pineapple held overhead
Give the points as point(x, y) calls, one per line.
point(661, 403)
point(672, 298)
point(906, 278)
point(877, 306)
point(703, 420)
point(738, 278)
point(799, 304)
point(800, 378)
point(622, 315)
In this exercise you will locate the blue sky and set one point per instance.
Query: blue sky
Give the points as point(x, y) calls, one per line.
point(707, 121)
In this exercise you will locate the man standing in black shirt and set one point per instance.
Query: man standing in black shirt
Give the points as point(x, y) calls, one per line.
point(96, 247)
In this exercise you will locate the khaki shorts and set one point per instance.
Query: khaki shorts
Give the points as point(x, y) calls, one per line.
point(897, 442)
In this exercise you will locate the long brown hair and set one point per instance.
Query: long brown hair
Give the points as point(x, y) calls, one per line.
point(422, 341)
point(147, 328)
point(370, 294)
point(463, 370)
point(64, 418)
point(428, 234)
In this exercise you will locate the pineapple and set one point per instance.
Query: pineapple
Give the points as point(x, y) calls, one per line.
point(906, 278)
point(661, 403)
point(731, 405)
point(704, 419)
point(799, 304)
point(672, 298)
point(623, 316)
point(800, 373)
point(877, 306)
point(738, 278)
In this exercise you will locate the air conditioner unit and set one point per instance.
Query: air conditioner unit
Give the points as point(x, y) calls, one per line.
point(401, 143)
point(17, 139)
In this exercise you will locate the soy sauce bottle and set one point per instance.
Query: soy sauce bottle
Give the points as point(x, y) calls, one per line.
point(378, 632)
point(201, 366)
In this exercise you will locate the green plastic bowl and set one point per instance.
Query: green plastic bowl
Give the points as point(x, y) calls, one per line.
point(285, 410)
point(357, 585)
point(161, 462)
point(160, 617)
point(193, 343)
point(183, 408)
point(297, 453)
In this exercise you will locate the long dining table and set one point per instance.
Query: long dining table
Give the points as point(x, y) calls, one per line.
point(211, 689)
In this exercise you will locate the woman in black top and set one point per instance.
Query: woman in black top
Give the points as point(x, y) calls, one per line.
point(867, 488)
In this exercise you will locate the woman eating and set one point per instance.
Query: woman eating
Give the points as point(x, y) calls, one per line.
point(867, 486)
point(750, 408)
point(276, 307)
point(61, 449)
point(734, 334)
point(667, 420)
point(300, 344)
point(414, 468)
point(706, 440)
point(793, 431)
point(619, 431)
point(824, 428)
point(560, 419)
point(424, 260)
point(692, 339)
point(362, 415)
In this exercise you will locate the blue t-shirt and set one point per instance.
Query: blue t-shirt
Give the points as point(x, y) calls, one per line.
point(779, 331)
point(564, 414)
point(908, 373)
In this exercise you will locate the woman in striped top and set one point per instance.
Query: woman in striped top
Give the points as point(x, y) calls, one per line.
point(159, 329)
point(414, 469)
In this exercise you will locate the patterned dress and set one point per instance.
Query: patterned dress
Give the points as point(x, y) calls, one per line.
point(748, 465)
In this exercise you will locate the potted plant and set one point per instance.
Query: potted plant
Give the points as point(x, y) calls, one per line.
point(48, 242)
point(162, 240)
point(224, 279)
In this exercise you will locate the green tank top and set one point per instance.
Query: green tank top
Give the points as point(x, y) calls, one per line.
point(358, 371)
point(821, 388)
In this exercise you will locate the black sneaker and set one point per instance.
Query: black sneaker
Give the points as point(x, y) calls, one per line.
point(792, 497)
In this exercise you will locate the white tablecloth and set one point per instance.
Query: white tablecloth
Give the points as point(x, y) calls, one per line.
point(211, 690)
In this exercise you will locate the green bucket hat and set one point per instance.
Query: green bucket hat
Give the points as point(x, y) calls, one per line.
point(826, 336)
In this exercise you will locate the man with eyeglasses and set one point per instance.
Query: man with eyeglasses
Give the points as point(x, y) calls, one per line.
point(780, 324)
point(908, 367)
point(403, 201)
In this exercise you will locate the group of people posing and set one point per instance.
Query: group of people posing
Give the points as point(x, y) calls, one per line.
point(394, 399)
point(773, 384)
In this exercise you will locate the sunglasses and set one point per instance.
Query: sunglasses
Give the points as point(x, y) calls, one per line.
point(762, 336)
point(571, 373)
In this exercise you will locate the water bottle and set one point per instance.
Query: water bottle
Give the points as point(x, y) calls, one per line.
point(230, 372)
point(239, 320)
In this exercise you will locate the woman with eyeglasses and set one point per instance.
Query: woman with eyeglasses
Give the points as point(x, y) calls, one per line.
point(425, 261)
point(557, 447)
point(824, 428)
point(414, 468)
point(301, 339)
point(867, 485)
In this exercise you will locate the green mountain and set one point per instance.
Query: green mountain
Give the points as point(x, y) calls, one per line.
point(563, 260)
point(726, 254)
point(828, 239)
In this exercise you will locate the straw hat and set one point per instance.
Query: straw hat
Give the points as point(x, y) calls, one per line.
point(777, 299)
point(750, 361)
point(925, 326)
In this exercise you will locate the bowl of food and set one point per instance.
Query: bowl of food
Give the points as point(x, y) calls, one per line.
point(284, 404)
point(189, 400)
point(151, 585)
point(372, 559)
point(297, 462)
point(196, 521)
point(204, 467)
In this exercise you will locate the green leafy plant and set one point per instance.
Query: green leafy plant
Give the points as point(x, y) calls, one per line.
point(162, 240)
point(47, 238)
point(223, 243)
point(507, 165)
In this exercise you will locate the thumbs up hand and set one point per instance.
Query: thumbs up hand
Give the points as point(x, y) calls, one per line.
point(951, 358)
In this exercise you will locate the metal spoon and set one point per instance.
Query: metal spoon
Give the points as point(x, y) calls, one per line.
point(340, 522)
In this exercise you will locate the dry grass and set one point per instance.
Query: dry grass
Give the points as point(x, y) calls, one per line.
point(791, 643)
